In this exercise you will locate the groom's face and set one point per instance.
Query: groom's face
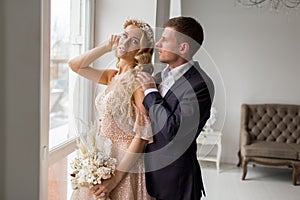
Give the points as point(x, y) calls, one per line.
point(168, 47)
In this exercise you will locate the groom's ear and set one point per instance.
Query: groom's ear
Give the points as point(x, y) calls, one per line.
point(184, 48)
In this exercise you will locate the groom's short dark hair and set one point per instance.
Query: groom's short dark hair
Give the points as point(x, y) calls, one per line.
point(189, 27)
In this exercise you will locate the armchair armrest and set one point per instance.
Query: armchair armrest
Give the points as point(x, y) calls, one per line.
point(244, 134)
point(245, 138)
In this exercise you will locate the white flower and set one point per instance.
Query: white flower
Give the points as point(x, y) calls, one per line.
point(90, 165)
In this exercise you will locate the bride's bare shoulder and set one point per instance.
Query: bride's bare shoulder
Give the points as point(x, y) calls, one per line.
point(110, 73)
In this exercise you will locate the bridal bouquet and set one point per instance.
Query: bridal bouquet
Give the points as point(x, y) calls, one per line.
point(91, 165)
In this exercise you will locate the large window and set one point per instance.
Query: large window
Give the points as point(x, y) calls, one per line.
point(67, 28)
point(68, 37)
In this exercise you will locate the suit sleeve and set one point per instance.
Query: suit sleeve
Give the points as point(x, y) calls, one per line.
point(184, 118)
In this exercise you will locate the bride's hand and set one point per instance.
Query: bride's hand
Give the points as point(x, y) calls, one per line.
point(102, 191)
point(113, 42)
point(98, 191)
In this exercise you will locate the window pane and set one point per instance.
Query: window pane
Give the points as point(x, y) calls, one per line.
point(67, 22)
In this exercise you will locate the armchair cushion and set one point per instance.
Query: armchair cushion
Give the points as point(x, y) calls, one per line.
point(270, 150)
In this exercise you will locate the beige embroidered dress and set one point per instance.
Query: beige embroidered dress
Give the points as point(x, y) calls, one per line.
point(121, 130)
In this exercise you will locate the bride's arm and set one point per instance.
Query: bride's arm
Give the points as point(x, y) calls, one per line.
point(131, 156)
point(81, 64)
point(133, 153)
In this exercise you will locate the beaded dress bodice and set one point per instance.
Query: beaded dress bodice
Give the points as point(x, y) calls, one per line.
point(109, 125)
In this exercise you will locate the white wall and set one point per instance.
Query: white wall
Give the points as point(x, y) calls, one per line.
point(257, 54)
point(20, 95)
point(111, 14)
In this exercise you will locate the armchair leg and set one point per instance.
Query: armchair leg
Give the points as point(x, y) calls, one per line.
point(245, 163)
point(295, 174)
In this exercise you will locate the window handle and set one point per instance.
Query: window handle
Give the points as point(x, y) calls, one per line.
point(44, 152)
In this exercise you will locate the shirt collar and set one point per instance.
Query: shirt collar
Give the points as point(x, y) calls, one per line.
point(177, 72)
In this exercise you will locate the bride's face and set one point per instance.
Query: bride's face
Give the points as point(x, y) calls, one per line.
point(129, 43)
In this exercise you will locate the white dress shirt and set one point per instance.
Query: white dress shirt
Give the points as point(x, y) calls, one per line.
point(169, 77)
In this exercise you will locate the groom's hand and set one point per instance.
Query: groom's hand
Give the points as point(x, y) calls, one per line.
point(146, 80)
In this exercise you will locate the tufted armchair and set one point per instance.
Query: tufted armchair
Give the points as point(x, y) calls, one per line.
point(270, 135)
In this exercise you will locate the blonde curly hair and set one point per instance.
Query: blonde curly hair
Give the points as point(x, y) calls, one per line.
point(127, 85)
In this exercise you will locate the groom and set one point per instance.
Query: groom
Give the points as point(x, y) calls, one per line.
point(178, 103)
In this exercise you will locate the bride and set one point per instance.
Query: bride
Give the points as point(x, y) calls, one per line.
point(123, 118)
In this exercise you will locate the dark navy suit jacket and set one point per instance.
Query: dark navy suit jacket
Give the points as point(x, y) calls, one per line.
point(172, 169)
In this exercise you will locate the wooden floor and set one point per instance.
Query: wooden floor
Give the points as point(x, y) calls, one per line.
point(262, 183)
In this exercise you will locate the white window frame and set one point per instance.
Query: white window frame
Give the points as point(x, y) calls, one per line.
point(49, 157)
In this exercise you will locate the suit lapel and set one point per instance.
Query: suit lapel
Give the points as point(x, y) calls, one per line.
point(181, 80)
